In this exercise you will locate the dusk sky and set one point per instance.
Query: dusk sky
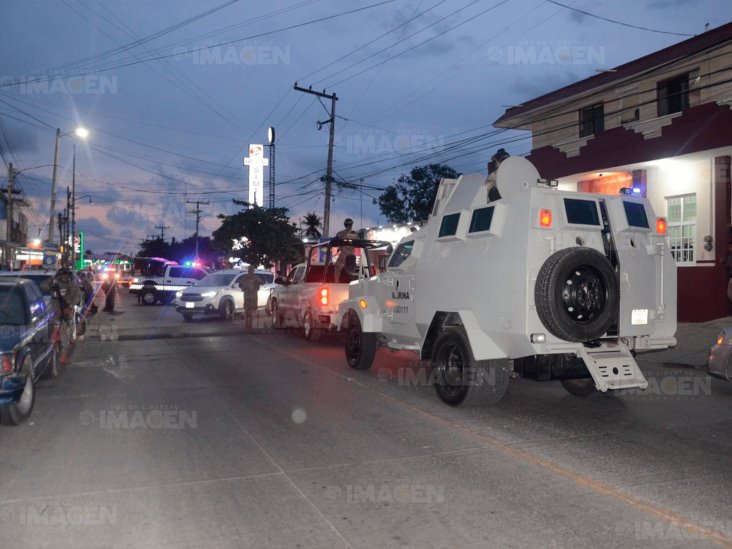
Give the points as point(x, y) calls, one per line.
point(173, 92)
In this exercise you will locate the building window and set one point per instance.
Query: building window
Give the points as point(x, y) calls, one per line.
point(673, 95)
point(681, 215)
point(592, 120)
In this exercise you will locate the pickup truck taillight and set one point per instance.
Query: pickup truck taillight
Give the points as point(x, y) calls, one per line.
point(324, 296)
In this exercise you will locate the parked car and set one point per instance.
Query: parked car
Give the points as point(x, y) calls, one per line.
point(43, 280)
point(718, 362)
point(27, 347)
point(219, 294)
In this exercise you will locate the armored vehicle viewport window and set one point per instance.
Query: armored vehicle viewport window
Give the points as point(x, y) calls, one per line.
point(581, 212)
point(636, 214)
point(449, 224)
point(481, 220)
point(402, 252)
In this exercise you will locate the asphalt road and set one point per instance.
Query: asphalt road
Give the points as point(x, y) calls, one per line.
point(193, 439)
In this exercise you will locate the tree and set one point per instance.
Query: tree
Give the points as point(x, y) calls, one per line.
point(412, 196)
point(312, 222)
point(155, 247)
point(259, 236)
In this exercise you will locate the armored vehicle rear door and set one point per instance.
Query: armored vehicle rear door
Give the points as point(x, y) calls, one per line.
point(647, 272)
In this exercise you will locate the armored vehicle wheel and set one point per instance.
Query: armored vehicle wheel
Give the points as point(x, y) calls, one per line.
point(360, 345)
point(577, 294)
point(460, 380)
point(148, 297)
point(579, 387)
point(311, 330)
point(277, 321)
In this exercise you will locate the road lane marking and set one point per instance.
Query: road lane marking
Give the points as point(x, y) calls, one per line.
point(582, 480)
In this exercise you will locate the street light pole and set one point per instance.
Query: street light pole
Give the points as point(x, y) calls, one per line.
point(53, 187)
point(73, 209)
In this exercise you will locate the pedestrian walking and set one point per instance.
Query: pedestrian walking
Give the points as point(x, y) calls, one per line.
point(109, 286)
point(250, 284)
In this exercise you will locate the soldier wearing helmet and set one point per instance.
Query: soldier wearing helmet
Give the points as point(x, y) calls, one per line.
point(64, 296)
point(346, 233)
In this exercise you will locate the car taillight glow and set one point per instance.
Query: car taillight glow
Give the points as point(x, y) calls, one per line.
point(6, 364)
point(324, 296)
point(545, 218)
point(720, 339)
point(661, 225)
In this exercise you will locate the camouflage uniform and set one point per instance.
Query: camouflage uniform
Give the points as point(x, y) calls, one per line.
point(66, 294)
point(250, 284)
point(343, 252)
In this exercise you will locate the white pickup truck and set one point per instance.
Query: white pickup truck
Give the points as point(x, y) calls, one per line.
point(310, 295)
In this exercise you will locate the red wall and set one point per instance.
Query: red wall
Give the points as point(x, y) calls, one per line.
point(702, 292)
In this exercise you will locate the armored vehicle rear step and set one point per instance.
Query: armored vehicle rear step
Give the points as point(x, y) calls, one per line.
point(612, 366)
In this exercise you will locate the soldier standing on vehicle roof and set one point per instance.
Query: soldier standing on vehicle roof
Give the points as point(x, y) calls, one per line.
point(490, 181)
point(250, 284)
point(344, 251)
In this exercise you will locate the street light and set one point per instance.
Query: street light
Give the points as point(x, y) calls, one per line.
point(81, 133)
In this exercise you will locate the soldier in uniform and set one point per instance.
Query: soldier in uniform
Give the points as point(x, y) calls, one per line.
point(344, 251)
point(249, 284)
point(490, 181)
point(65, 295)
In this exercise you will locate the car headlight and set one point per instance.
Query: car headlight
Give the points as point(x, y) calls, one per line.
point(178, 294)
point(208, 294)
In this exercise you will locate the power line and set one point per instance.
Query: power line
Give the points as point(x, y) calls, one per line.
point(629, 25)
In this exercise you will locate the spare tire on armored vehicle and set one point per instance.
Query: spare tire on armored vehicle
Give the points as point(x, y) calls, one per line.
point(577, 294)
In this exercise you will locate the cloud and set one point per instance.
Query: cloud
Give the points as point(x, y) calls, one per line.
point(130, 216)
point(91, 226)
point(21, 137)
point(665, 4)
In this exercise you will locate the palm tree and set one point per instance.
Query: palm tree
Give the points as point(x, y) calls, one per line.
point(312, 222)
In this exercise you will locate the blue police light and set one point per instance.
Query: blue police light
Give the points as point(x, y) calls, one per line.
point(636, 190)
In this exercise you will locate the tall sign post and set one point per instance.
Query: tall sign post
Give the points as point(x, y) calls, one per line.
point(256, 162)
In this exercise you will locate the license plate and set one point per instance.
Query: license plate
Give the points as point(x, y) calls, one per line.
point(190, 305)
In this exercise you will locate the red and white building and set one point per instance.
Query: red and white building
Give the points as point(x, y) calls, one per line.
point(661, 124)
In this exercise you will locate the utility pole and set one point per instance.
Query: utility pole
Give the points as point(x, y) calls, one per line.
point(329, 170)
point(197, 211)
point(271, 140)
point(9, 213)
point(162, 231)
point(53, 186)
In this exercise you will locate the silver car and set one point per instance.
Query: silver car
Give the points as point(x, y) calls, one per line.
point(718, 362)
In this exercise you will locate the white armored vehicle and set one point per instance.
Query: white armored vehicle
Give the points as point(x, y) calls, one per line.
point(541, 283)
